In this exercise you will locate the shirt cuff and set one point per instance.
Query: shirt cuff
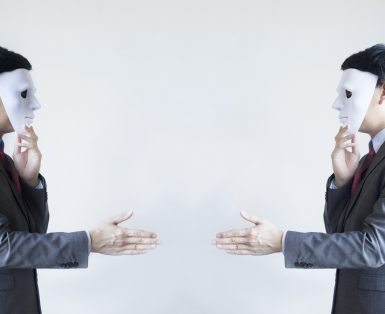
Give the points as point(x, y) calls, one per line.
point(39, 185)
point(333, 186)
point(283, 242)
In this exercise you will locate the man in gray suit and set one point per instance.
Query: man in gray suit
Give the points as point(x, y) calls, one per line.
point(24, 243)
point(354, 212)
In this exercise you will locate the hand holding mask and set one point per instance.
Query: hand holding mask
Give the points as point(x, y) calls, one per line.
point(27, 156)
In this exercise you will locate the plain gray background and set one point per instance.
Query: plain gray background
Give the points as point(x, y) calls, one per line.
point(187, 112)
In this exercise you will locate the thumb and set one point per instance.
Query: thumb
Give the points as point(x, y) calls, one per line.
point(355, 149)
point(120, 218)
point(252, 219)
point(17, 148)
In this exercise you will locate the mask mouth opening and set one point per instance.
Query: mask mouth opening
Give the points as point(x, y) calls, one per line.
point(29, 120)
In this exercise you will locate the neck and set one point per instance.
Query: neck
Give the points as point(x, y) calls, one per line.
point(373, 131)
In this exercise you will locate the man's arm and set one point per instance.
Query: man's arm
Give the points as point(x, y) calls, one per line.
point(339, 184)
point(108, 238)
point(36, 198)
point(266, 238)
point(354, 249)
point(19, 249)
point(335, 202)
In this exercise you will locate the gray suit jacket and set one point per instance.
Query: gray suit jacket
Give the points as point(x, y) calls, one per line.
point(354, 242)
point(25, 246)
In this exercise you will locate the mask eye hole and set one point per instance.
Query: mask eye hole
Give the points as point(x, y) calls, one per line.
point(348, 94)
point(24, 94)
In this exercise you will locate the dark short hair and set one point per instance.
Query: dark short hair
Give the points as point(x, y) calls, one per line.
point(369, 60)
point(10, 61)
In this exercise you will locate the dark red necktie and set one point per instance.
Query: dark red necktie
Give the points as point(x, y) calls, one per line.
point(363, 167)
point(10, 168)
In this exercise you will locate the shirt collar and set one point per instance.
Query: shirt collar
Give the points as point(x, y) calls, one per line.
point(378, 140)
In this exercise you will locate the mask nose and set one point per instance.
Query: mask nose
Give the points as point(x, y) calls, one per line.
point(35, 105)
point(337, 105)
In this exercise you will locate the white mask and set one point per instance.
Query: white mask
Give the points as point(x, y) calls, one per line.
point(17, 93)
point(355, 93)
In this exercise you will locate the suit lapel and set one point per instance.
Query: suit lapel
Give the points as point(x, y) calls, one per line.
point(376, 161)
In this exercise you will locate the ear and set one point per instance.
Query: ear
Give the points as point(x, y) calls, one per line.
point(382, 97)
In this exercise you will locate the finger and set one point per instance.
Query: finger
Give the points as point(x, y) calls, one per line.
point(25, 130)
point(355, 149)
point(241, 252)
point(135, 247)
point(120, 218)
point(16, 148)
point(139, 233)
point(252, 219)
point(346, 138)
point(234, 247)
point(135, 240)
point(28, 138)
point(25, 145)
point(345, 145)
point(132, 252)
point(341, 132)
point(234, 233)
point(32, 132)
point(126, 241)
point(232, 240)
point(27, 142)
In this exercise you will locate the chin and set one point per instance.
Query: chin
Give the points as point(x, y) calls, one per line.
point(363, 128)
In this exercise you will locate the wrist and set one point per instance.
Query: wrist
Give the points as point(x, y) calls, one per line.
point(339, 183)
point(92, 236)
point(32, 182)
point(93, 240)
point(279, 241)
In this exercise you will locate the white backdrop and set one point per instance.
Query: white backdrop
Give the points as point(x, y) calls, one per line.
point(187, 112)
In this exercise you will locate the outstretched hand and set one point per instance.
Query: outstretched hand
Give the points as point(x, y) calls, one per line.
point(111, 239)
point(261, 239)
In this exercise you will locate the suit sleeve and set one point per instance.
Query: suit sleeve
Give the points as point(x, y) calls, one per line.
point(20, 249)
point(38, 202)
point(353, 249)
point(335, 203)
